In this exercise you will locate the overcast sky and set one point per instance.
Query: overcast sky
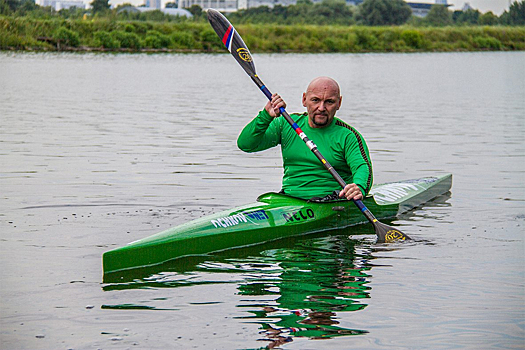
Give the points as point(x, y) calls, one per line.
point(496, 6)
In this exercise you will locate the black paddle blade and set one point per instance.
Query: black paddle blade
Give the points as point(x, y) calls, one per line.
point(388, 234)
point(232, 40)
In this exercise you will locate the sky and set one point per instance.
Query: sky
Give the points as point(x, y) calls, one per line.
point(496, 6)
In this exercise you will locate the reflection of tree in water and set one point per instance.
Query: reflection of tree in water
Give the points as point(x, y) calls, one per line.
point(314, 281)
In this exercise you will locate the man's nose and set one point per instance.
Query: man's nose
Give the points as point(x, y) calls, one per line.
point(321, 106)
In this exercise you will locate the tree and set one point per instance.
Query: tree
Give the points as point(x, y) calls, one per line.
point(384, 12)
point(488, 19)
point(100, 6)
point(517, 13)
point(196, 11)
point(439, 15)
point(468, 17)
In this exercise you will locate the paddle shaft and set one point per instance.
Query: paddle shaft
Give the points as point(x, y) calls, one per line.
point(234, 43)
point(311, 145)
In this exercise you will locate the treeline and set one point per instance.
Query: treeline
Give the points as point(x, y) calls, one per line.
point(327, 12)
point(25, 33)
point(375, 13)
point(329, 26)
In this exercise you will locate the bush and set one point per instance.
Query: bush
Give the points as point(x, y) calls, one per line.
point(67, 37)
point(412, 38)
point(210, 40)
point(365, 39)
point(487, 43)
point(106, 40)
point(127, 40)
point(156, 40)
point(182, 40)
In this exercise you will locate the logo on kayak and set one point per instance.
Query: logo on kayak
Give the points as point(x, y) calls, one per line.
point(299, 215)
point(228, 221)
point(253, 217)
point(257, 215)
point(244, 54)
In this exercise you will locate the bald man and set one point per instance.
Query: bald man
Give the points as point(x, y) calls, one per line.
point(342, 145)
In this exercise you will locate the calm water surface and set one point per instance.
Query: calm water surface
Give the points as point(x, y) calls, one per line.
point(100, 150)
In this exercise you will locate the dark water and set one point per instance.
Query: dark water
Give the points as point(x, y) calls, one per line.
point(100, 150)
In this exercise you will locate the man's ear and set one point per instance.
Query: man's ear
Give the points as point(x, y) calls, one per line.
point(304, 99)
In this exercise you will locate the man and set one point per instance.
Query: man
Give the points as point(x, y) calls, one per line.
point(342, 146)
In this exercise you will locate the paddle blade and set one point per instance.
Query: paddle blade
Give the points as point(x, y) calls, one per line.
point(232, 40)
point(388, 234)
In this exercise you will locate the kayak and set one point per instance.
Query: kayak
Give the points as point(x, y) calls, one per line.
point(273, 216)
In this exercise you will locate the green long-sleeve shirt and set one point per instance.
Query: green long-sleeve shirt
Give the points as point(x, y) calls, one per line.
point(304, 175)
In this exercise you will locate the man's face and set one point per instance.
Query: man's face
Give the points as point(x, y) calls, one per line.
point(322, 100)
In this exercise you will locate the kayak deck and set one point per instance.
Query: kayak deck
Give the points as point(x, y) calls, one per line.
point(273, 216)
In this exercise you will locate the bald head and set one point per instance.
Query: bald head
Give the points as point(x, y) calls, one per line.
point(324, 83)
point(322, 99)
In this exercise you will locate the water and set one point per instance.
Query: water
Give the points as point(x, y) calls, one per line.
point(100, 150)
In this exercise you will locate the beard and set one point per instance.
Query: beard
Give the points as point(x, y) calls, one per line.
point(321, 120)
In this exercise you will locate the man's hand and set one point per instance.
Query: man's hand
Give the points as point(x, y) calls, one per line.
point(272, 107)
point(351, 191)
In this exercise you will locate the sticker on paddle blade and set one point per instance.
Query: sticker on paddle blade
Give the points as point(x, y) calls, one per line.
point(394, 235)
point(244, 54)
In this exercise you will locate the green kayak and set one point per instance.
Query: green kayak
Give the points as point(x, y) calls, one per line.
point(272, 217)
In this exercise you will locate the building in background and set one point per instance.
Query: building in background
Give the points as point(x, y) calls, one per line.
point(61, 4)
point(168, 11)
point(245, 4)
point(219, 5)
point(421, 9)
point(418, 9)
point(153, 4)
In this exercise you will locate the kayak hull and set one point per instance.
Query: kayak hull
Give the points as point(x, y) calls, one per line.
point(274, 216)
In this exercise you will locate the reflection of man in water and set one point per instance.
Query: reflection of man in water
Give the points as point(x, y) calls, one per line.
point(311, 293)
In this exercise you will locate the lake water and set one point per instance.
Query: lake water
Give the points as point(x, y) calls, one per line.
point(100, 150)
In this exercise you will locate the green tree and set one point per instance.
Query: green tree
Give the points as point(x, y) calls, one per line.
point(333, 12)
point(100, 6)
point(517, 13)
point(469, 17)
point(384, 12)
point(488, 19)
point(439, 15)
point(196, 11)
point(9, 6)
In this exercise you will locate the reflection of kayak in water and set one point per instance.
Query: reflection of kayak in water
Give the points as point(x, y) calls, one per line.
point(309, 290)
point(272, 217)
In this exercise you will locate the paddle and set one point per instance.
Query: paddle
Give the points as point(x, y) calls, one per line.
point(234, 43)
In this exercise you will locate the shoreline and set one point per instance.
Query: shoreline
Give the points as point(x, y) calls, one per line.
point(59, 35)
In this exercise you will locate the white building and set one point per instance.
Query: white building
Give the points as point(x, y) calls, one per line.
point(421, 9)
point(61, 4)
point(155, 4)
point(219, 5)
point(168, 11)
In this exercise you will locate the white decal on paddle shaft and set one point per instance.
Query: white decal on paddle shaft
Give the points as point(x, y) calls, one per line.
point(393, 192)
point(228, 221)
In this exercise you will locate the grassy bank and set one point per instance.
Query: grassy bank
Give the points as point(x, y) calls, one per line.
point(25, 33)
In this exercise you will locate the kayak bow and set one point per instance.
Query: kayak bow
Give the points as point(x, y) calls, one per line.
point(273, 216)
